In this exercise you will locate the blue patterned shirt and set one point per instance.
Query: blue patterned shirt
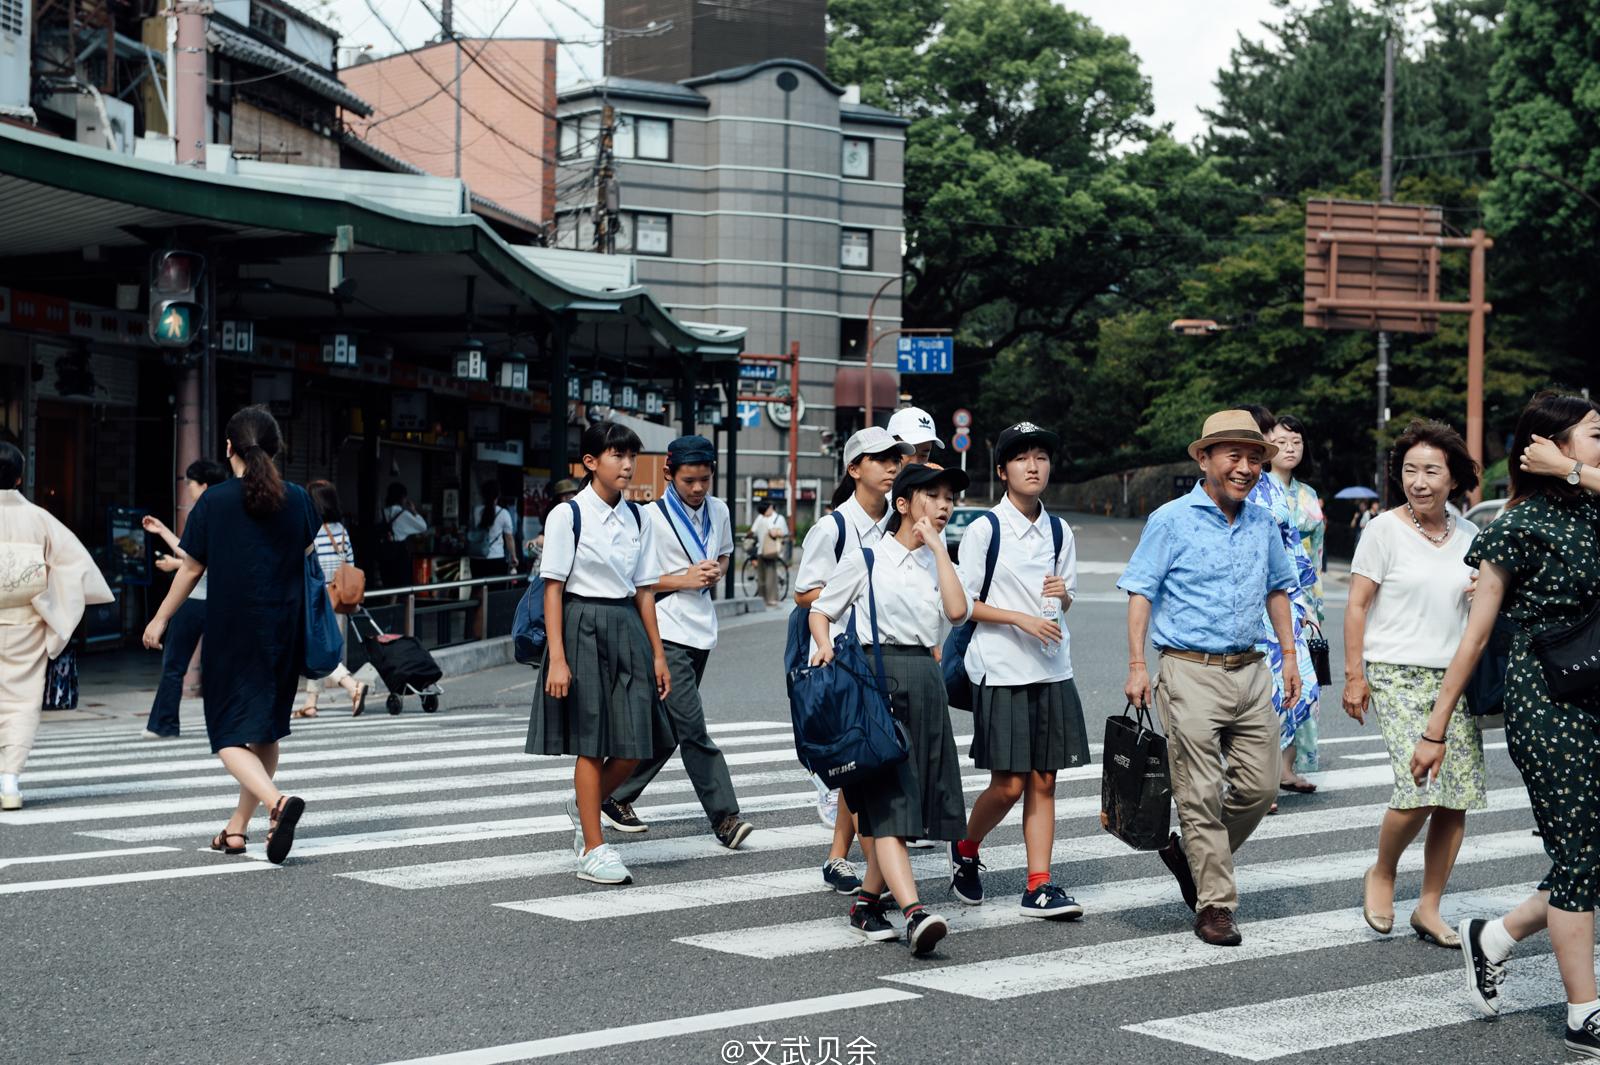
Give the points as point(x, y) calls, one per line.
point(1207, 580)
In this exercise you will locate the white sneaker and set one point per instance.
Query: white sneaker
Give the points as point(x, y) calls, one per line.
point(603, 866)
point(828, 808)
point(577, 825)
point(918, 844)
point(148, 735)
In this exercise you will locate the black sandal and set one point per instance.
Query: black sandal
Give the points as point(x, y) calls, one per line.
point(361, 700)
point(281, 836)
point(220, 841)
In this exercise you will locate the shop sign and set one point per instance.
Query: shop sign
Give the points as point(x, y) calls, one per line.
point(508, 453)
point(80, 376)
point(238, 337)
point(539, 435)
point(273, 389)
point(408, 411)
point(483, 423)
point(39, 312)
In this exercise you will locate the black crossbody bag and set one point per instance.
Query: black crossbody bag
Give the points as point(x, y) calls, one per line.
point(1571, 656)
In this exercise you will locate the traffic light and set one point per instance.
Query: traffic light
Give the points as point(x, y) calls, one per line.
point(176, 310)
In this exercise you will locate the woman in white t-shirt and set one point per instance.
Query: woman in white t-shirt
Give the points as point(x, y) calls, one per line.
point(332, 548)
point(1406, 615)
point(495, 524)
point(768, 531)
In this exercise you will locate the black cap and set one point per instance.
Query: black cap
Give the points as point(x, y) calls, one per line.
point(913, 476)
point(1021, 436)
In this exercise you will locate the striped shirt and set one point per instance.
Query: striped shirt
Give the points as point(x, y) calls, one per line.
point(329, 552)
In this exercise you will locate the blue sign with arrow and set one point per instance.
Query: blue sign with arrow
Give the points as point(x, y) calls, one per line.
point(926, 354)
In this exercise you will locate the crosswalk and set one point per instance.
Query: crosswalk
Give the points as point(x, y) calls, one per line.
point(452, 805)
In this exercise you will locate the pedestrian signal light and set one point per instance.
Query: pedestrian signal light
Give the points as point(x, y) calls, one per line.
point(176, 310)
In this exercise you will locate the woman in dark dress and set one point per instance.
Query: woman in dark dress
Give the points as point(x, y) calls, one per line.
point(252, 534)
point(1540, 564)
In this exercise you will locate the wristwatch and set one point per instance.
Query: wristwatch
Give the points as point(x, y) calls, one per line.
point(1577, 469)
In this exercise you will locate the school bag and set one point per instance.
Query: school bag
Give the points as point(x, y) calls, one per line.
point(953, 658)
point(348, 589)
point(478, 542)
point(843, 729)
point(527, 626)
point(799, 637)
point(324, 646)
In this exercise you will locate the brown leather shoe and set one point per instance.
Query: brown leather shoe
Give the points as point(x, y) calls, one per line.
point(1178, 864)
point(1215, 926)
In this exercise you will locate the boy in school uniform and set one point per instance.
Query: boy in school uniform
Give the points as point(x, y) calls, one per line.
point(1027, 721)
point(694, 546)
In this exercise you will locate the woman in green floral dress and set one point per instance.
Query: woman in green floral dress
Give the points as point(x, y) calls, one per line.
point(1540, 562)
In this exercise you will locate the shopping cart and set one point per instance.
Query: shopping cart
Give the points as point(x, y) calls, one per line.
point(404, 664)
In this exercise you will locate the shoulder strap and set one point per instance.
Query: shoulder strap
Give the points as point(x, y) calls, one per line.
point(662, 505)
point(577, 527)
point(991, 558)
point(638, 518)
point(838, 541)
point(872, 612)
point(1058, 531)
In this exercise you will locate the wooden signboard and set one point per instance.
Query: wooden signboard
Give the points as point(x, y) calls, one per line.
point(1372, 266)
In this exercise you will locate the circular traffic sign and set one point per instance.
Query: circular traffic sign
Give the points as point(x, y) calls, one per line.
point(962, 418)
point(961, 441)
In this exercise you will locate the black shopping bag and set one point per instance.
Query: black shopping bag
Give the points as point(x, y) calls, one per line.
point(1135, 788)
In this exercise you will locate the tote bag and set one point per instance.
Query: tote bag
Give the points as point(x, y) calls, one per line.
point(324, 644)
point(1135, 788)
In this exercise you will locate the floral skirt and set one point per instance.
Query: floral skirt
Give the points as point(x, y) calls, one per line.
point(1402, 699)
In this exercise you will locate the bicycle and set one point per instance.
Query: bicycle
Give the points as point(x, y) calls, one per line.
point(750, 575)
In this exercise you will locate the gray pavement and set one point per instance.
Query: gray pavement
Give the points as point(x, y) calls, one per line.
point(388, 936)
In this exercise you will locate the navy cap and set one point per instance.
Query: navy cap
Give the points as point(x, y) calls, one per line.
point(912, 477)
point(691, 451)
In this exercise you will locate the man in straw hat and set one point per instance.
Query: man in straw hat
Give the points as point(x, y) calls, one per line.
point(1196, 584)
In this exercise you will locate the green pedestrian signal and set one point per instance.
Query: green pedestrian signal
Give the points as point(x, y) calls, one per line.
point(177, 309)
point(174, 326)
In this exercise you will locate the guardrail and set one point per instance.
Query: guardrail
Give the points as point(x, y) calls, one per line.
point(477, 602)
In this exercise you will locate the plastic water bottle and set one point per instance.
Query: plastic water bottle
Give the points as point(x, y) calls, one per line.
point(1050, 610)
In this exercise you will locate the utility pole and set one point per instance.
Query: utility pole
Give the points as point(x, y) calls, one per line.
point(608, 193)
point(1382, 485)
point(447, 32)
point(189, 82)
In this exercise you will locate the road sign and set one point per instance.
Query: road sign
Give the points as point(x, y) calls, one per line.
point(962, 418)
point(750, 415)
point(961, 441)
point(757, 371)
point(925, 354)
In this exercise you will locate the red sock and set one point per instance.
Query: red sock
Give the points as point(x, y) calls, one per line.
point(1036, 880)
point(967, 848)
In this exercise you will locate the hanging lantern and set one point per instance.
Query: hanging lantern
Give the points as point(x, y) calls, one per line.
point(470, 364)
point(597, 391)
point(627, 396)
point(655, 401)
point(574, 388)
point(513, 375)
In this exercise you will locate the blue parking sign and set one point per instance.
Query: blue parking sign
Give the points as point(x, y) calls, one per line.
point(750, 415)
point(926, 354)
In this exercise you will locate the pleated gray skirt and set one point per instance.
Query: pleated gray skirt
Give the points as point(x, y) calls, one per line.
point(610, 710)
point(921, 797)
point(1028, 727)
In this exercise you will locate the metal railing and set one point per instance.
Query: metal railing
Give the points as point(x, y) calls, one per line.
point(477, 602)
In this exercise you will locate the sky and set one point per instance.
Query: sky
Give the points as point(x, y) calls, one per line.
point(1181, 43)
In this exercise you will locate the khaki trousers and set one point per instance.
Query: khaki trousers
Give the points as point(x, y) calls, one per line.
point(1210, 713)
point(22, 668)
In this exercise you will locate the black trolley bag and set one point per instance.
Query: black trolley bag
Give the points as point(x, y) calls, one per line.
point(1135, 787)
point(402, 662)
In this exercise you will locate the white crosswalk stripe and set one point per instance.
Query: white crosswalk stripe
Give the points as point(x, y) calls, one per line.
point(444, 808)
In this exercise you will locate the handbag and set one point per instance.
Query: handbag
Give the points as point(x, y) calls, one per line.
point(1318, 647)
point(1571, 656)
point(1135, 787)
point(478, 540)
point(348, 589)
point(843, 729)
point(324, 643)
point(1486, 688)
point(61, 682)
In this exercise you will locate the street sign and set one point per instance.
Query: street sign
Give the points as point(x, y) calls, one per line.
point(926, 354)
point(750, 415)
point(756, 371)
point(962, 418)
point(780, 411)
point(961, 441)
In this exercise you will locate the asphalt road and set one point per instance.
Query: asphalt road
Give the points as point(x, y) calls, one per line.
point(430, 909)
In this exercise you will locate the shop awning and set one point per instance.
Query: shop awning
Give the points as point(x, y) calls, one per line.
point(849, 388)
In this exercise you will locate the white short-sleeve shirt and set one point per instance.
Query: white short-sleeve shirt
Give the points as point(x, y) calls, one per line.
point(689, 617)
point(403, 522)
point(1004, 655)
point(500, 526)
point(615, 556)
point(906, 586)
point(1420, 611)
point(816, 557)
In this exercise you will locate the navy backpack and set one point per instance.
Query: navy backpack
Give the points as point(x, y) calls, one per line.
point(953, 658)
point(843, 730)
point(527, 627)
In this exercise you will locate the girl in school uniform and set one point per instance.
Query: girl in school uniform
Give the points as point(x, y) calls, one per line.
point(604, 667)
point(860, 510)
point(1027, 721)
point(917, 592)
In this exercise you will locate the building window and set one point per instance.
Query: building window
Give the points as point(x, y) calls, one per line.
point(652, 234)
point(264, 20)
point(855, 249)
point(580, 137)
point(857, 161)
point(11, 17)
point(642, 138)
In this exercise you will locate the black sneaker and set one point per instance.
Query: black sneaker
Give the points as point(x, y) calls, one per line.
point(965, 883)
point(1178, 864)
point(1484, 977)
point(620, 816)
point(1051, 903)
point(924, 930)
point(733, 831)
point(841, 876)
point(1586, 1040)
point(868, 921)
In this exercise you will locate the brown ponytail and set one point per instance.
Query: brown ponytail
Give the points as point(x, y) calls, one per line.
point(253, 433)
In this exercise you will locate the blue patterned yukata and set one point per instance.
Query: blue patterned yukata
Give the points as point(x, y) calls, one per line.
point(1269, 493)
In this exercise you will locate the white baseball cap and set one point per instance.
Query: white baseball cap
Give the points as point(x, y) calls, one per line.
point(873, 440)
point(913, 425)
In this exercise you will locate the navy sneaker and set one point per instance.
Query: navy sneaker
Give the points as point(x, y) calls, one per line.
point(1051, 903)
point(1586, 1040)
point(841, 876)
point(964, 881)
point(1484, 977)
point(924, 930)
point(868, 921)
point(620, 816)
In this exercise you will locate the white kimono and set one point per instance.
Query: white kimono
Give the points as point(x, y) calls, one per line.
point(47, 579)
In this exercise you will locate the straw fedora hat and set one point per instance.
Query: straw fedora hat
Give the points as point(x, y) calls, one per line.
point(1231, 425)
